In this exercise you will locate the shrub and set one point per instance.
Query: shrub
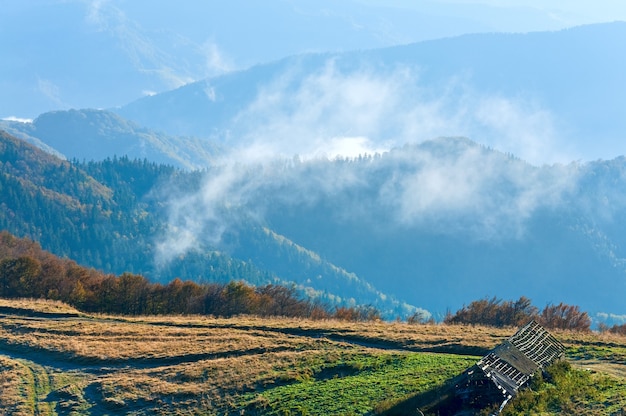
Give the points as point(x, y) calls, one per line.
point(495, 312)
point(615, 329)
point(420, 317)
point(564, 316)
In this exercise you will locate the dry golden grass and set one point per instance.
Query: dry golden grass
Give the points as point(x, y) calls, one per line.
point(104, 339)
point(158, 337)
point(38, 305)
point(391, 334)
point(210, 384)
point(15, 393)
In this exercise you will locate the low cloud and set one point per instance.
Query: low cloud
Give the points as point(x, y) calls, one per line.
point(292, 139)
point(352, 147)
point(447, 186)
point(18, 119)
point(216, 61)
point(521, 127)
point(388, 108)
point(308, 117)
point(461, 187)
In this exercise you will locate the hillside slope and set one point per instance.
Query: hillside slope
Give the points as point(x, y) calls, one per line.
point(493, 226)
point(111, 215)
point(437, 224)
point(434, 225)
point(87, 135)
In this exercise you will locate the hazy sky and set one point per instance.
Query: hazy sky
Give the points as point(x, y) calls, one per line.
point(61, 54)
point(571, 12)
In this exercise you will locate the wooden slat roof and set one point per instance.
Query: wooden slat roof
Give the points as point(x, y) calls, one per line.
point(511, 364)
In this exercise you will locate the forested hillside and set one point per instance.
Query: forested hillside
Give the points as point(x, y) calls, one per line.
point(492, 226)
point(434, 225)
point(111, 215)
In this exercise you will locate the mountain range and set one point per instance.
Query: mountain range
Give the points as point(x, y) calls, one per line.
point(96, 134)
point(378, 233)
point(84, 54)
point(349, 175)
point(541, 96)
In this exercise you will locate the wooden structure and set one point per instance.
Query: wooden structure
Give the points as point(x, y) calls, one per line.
point(493, 380)
point(500, 374)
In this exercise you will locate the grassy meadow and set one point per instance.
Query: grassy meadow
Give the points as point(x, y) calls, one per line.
point(55, 360)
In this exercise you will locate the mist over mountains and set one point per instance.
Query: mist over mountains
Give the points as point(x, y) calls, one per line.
point(545, 97)
point(433, 225)
point(541, 96)
point(418, 176)
point(437, 223)
point(111, 215)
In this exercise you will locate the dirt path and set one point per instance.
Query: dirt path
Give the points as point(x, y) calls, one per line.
point(48, 391)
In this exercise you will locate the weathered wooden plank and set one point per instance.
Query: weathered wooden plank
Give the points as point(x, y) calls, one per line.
point(510, 365)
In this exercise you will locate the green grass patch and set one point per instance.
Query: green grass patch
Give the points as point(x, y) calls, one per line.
point(357, 385)
point(568, 390)
point(609, 353)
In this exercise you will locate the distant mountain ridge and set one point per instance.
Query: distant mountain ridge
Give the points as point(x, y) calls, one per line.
point(114, 51)
point(526, 94)
point(475, 83)
point(91, 134)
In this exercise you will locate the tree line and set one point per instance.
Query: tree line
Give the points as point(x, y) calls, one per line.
point(27, 271)
point(499, 313)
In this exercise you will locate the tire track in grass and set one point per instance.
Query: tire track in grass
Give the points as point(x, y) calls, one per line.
point(43, 394)
point(36, 387)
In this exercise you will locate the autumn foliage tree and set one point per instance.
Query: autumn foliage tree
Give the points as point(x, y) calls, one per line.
point(498, 313)
point(615, 329)
point(564, 316)
point(19, 276)
point(28, 271)
point(495, 312)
